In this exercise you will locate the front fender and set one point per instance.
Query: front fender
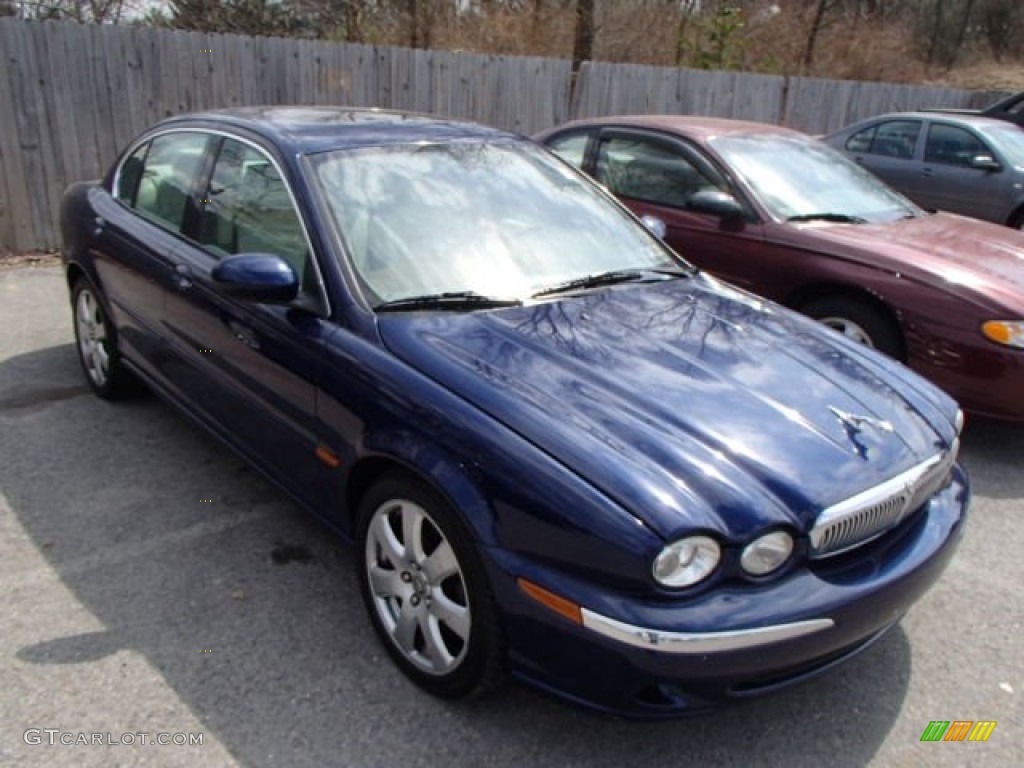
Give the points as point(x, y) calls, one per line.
point(378, 412)
point(454, 477)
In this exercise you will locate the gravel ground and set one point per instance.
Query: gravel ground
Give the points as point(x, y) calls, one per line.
point(31, 259)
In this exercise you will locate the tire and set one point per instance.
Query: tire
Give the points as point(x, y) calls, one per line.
point(97, 346)
point(858, 321)
point(1017, 219)
point(430, 602)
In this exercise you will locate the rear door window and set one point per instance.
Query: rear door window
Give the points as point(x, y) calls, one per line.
point(895, 138)
point(168, 176)
point(861, 140)
point(130, 174)
point(571, 147)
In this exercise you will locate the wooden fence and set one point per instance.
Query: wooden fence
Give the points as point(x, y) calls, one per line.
point(72, 95)
point(808, 104)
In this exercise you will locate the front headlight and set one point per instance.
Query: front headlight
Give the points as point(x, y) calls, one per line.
point(685, 562)
point(1007, 332)
point(767, 553)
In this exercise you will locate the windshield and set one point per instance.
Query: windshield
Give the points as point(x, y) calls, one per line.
point(1009, 139)
point(799, 177)
point(502, 219)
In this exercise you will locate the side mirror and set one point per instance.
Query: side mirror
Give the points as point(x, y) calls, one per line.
point(656, 225)
point(261, 277)
point(716, 203)
point(985, 163)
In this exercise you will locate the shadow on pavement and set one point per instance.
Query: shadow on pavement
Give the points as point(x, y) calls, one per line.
point(993, 453)
point(169, 540)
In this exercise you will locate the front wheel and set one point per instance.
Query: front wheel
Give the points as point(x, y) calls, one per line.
point(425, 589)
point(858, 321)
point(97, 351)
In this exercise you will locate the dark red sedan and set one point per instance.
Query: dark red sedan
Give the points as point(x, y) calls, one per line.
point(781, 214)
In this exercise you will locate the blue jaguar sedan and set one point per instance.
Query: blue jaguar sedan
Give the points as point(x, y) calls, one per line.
point(562, 452)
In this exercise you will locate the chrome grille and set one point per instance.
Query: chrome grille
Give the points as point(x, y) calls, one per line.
point(867, 515)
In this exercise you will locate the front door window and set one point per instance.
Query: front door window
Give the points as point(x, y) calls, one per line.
point(639, 169)
point(247, 209)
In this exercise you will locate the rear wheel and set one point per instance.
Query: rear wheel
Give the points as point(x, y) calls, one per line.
point(97, 350)
point(858, 321)
point(1017, 219)
point(425, 589)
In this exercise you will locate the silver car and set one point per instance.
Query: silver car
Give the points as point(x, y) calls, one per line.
point(965, 164)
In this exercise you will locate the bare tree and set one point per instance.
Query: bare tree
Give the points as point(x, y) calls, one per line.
point(82, 11)
point(1001, 25)
point(949, 25)
point(821, 8)
point(583, 39)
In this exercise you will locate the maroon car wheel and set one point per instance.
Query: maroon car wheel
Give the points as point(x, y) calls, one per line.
point(859, 322)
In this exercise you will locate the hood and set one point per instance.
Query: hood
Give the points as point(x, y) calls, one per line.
point(977, 260)
point(692, 404)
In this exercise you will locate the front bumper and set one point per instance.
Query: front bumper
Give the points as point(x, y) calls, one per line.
point(649, 658)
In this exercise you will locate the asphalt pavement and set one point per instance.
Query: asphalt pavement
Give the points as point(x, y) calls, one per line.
point(152, 584)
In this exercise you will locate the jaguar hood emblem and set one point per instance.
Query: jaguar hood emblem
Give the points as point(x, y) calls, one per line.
point(854, 425)
point(851, 421)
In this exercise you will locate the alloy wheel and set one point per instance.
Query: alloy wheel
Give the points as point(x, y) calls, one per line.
point(417, 586)
point(92, 337)
point(849, 329)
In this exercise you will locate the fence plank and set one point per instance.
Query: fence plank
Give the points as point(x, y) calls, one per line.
point(26, 85)
point(51, 163)
point(15, 208)
point(6, 209)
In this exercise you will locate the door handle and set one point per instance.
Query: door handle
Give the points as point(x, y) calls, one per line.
point(244, 334)
point(926, 172)
point(98, 224)
point(182, 277)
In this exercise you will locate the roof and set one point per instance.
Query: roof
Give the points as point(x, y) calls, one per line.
point(973, 119)
point(698, 128)
point(319, 129)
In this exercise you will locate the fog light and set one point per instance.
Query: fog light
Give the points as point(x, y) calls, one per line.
point(687, 561)
point(767, 553)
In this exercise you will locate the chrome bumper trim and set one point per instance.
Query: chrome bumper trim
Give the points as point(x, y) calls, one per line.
point(699, 642)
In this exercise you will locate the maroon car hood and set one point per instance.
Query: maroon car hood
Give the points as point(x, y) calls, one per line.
point(944, 249)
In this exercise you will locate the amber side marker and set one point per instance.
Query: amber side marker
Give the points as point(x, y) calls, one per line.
point(559, 605)
point(327, 456)
point(996, 331)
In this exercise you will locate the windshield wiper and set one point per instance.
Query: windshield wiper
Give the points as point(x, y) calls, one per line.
point(452, 300)
point(609, 278)
point(843, 218)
